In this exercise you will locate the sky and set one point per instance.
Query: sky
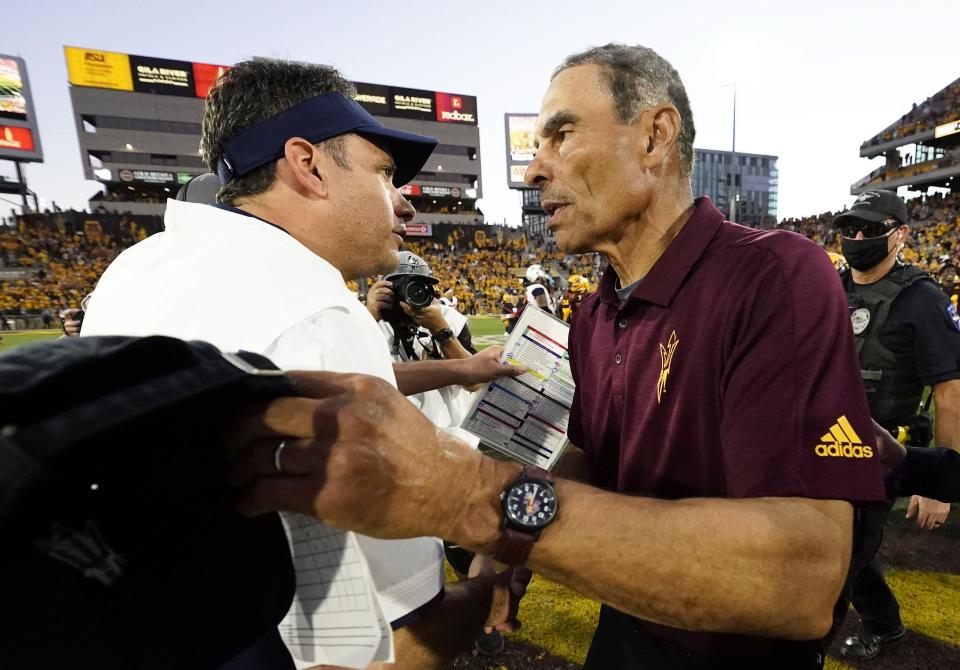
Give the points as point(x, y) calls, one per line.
point(814, 79)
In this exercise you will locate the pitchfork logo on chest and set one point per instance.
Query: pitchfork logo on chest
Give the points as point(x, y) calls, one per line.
point(666, 360)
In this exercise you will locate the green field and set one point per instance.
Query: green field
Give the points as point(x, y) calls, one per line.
point(8, 340)
point(482, 326)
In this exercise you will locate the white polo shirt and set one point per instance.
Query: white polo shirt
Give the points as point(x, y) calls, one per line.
point(240, 283)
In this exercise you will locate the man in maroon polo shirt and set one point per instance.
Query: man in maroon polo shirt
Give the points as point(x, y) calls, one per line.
point(723, 428)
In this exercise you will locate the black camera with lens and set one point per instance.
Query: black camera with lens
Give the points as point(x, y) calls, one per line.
point(412, 284)
point(414, 290)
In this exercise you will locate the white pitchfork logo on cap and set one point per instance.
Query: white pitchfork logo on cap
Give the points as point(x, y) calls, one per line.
point(869, 195)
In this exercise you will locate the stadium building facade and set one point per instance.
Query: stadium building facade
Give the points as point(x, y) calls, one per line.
point(138, 125)
point(756, 178)
point(921, 149)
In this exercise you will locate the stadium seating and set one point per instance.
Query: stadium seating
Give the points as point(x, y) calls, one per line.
point(48, 262)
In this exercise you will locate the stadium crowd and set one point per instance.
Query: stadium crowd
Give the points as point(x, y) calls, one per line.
point(935, 223)
point(49, 268)
point(480, 269)
point(925, 116)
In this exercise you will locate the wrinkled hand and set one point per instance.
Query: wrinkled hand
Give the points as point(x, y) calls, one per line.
point(379, 298)
point(930, 513)
point(429, 317)
point(359, 456)
point(890, 451)
point(509, 588)
point(485, 366)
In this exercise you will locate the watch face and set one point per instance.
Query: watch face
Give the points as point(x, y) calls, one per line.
point(531, 504)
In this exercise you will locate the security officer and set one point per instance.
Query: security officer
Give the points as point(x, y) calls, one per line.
point(908, 337)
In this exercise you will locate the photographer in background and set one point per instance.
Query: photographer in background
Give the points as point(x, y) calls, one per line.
point(418, 328)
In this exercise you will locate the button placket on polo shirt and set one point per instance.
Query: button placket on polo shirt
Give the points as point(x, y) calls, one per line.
point(619, 323)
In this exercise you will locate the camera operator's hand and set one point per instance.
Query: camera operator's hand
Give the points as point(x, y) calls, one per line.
point(509, 588)
point(486, 366)
point(360, 456)
point(429, 317)
point(379, 298)
point(72, 320)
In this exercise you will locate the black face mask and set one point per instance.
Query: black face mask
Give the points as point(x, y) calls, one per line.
point(865, 254)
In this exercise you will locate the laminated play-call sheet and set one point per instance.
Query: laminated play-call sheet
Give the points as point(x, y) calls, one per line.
point(526, 417)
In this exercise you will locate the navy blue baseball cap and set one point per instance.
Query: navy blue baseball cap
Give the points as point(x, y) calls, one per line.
point(317, 119)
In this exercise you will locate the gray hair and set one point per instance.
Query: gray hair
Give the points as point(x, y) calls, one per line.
point(252, 91)
point(639, 79)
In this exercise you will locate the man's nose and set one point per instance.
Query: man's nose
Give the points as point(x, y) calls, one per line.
point(536, 173)
point(404, 210)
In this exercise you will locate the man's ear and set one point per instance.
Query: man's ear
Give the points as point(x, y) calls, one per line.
point(305, 165)
point(661, 126)
point(904, 234)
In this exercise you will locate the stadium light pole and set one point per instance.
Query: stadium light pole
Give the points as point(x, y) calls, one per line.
point(732, 194)
point(733, 157)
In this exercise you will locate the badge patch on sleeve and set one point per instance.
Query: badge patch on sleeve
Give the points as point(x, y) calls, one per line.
point(953, 316)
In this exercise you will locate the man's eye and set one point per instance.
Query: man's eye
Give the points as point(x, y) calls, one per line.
point(389, 171)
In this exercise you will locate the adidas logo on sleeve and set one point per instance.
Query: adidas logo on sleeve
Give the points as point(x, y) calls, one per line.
point(842, 442)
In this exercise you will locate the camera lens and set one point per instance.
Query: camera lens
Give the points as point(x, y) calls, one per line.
point(418, 294)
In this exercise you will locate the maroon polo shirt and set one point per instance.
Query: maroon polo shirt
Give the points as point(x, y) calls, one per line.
point(730, 372)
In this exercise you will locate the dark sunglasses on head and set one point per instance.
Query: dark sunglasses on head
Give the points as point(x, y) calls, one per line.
point(851, 227)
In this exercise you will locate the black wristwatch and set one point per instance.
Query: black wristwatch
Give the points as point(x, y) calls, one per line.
point(443, 335)
point(529, 505)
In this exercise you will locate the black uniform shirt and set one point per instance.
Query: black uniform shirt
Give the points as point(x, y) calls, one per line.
point(923, 327)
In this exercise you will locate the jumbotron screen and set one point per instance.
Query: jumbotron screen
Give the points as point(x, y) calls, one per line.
point(19, 137)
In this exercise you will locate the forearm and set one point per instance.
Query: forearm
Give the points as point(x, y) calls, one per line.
point(947, 425)
point(452, 349)
point(419, 376)
point(769, 566)
point(932, 472)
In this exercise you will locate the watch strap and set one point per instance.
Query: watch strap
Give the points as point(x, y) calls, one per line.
point(513, 547)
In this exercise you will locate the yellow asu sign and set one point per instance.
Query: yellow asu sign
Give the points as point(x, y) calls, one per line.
point(99, 69)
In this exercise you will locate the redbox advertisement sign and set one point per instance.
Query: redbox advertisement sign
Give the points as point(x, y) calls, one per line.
point(204, 76)
point(453, 108)
point(410, 189)
point(19, 139)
